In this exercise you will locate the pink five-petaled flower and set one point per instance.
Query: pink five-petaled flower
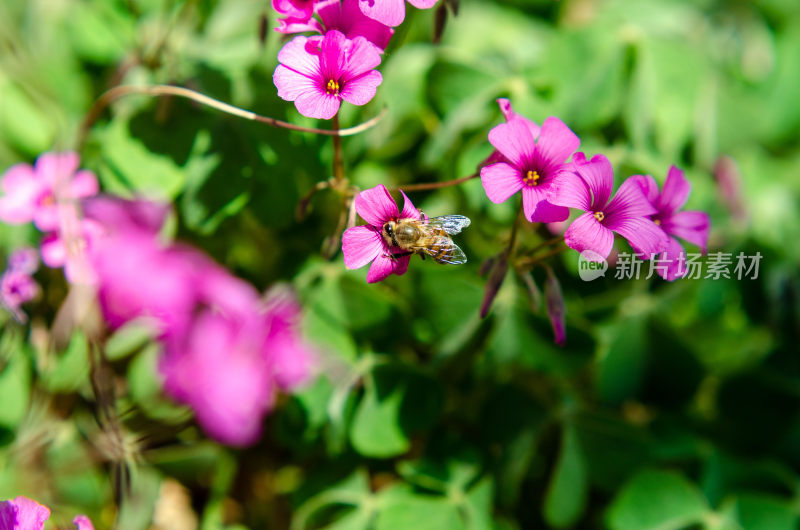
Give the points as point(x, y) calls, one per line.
point(344, 16)
point(627, 213)
point(364, 244)
point(22, 513)
point(391, 12)
point(693, 226)
point(17, 285)
point(317, 74)
point(535, 162)
point(34, 193)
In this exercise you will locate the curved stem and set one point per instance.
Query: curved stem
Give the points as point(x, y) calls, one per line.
point(514, 228)
point(169, 90)
point(435, 185)
point(528, 263)
point(338, 163)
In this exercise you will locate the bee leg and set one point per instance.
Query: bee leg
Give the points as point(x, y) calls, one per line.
point(398, 255)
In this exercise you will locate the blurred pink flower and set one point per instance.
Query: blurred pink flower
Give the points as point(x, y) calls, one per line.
point(364, 244)
point(533, 161)
point(341, 15)
point(34, 193)
point(391, 12)
point(226, 352)
point(68, 245)
point(317, 74)
point(23, 513)
point(229, 364)
point(627, 213)
point(693, 226)
point(17, 285)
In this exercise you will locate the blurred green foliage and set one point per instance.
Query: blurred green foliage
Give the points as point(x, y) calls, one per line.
point(671, 405)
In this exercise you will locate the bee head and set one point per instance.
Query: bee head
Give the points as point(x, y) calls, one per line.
point(388, 229)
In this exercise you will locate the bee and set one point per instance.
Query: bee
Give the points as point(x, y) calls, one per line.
point(427, 236)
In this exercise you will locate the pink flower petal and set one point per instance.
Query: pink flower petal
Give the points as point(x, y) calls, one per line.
point(693, 226)
point(22, 190)
point(628, 202)
point(514, 140)
point(643, 235)
point(54, 252)
point(586, 232)
point(333, 55)
point(556, 142)
point(349, 19)
point(301, 9)
point(298, 25)
point(409, 211)
point(568, 189)
point(55, 169)
point(508, 114)
point(674, 258)
point(675, 192)
point(317, 104)
point(361, 90)
point(83, 184)
point(389, 12)
point(501, 181)
point(531, 196)
point(30, 514)
point(295, 56)
point(360, 245)
point(599, 176)
point(648, 186)
point(376, 206)
point(292, 84)
point(362, 57)
point(83, 522)
point(383, 266)
point(546, 212)
point(423, 4)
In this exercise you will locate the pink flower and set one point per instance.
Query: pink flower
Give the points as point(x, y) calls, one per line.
point(291, 359)
point(34, 193)
point(317, 74)
point(364, 244)
point(693, 226)
point(391, 12)
point(297, 9)
point(229, 364)
point(68, 245)
point(344, 16)
point(17, 285)
point(534, 160)
point(627, 213)
point(23, 513)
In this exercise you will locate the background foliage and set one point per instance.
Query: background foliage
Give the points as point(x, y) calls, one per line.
point(672, 405)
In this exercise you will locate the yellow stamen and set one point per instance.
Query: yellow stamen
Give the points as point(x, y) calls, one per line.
point(657, 221)
point(332, 87)
point(531, 178)
point(599, 216)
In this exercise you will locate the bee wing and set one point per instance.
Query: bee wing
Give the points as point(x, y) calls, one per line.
point(452, 224)
point(444, 250)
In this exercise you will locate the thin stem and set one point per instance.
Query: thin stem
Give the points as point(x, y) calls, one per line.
point(435, 185)
point(549, 243)
point(169, 90)
point(514, 228)
point(528, 263)
point(338, 163)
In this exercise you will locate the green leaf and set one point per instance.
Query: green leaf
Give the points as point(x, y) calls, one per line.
point(15, 383)
point(128, 339)
point(23, 124)
point(565, 499)
point(70, 369)
point(762, 512)
point(656, 500)
point(396, 403)
point(401, 509)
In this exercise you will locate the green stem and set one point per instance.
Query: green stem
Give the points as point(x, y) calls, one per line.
point(169, 90)
point(338, 162)
point(435, 185)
